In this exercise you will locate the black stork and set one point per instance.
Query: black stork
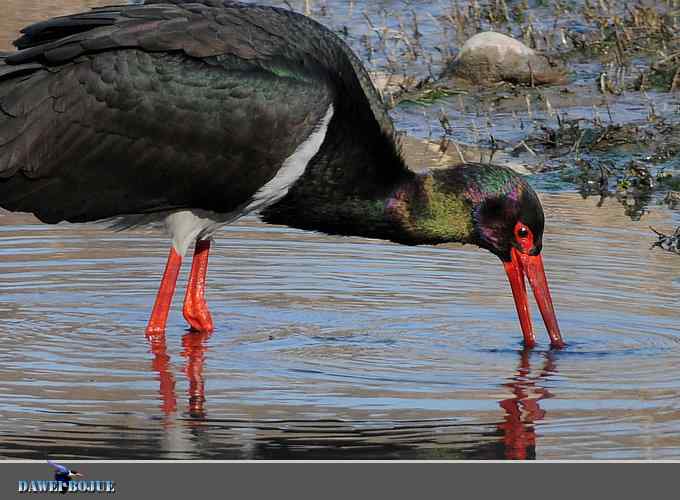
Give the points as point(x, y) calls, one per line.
point(198, 112)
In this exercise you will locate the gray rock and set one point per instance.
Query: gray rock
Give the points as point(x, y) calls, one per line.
point(491, 57)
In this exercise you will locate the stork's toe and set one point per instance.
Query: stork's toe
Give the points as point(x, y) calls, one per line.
point(198, 316)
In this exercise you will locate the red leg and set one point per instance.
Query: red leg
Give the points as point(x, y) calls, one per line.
point(161, 308)
point(195, 308)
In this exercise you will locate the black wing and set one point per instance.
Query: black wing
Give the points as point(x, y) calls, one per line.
point(201, 28)
point(145, 108)
point(128, 132)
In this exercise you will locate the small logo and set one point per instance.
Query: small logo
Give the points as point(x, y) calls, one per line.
point(65, 481)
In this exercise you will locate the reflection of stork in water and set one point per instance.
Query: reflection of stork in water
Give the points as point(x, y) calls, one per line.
point(522, 410)
point(194, 344)
point(63, 474)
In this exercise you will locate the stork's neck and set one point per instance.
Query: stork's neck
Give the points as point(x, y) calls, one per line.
point(412, 209)
point(359, 185)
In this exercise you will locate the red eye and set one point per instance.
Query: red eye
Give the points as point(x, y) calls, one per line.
point(524, 237)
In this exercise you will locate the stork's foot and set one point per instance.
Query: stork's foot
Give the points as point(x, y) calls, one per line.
point(195, 308)
point(198, 316)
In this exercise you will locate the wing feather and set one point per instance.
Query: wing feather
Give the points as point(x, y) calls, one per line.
point(173, 104)
point(209, 28)
point(126, 132)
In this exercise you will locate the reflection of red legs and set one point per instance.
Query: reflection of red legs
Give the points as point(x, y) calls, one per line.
point(161, 308)
point(194, 352)
point(194, 344)
point(161, 365)
point(195, 308)
point(522, 411)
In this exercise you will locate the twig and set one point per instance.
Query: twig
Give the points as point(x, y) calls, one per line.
point(460, 153)
point(526, 146)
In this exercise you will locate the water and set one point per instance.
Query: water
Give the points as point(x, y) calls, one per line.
point(337, 348)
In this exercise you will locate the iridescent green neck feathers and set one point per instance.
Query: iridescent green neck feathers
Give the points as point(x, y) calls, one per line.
point(419, 209)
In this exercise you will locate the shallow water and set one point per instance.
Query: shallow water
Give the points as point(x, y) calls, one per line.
point(330, 347)
point(337, 348)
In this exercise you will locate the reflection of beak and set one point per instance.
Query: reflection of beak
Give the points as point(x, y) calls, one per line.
point(532, 266)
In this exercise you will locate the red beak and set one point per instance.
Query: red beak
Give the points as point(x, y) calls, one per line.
point(532, 266)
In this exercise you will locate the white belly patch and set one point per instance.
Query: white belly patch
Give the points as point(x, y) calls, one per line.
point(293, 167)
point(186, 225)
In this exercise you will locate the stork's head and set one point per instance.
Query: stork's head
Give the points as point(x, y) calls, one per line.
point(506, 218)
